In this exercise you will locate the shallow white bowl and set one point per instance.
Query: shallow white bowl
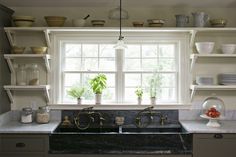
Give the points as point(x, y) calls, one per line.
point(78, 22)
point(228, 48)
point(204, 47)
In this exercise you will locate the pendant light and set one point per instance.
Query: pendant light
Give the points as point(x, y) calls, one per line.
point(120, 45)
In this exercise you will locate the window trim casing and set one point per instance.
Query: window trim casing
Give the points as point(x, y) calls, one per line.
point(183, 71)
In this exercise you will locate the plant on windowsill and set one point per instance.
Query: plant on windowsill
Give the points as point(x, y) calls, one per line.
point(98, 84)
point(154, 85)
point(139, 94)
point(76, 93)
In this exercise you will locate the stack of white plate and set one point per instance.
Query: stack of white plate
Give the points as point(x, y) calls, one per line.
point(227, 79)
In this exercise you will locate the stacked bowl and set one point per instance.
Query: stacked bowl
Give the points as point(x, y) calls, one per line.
point(23, 21)
point(227, 79)
point(155, 22)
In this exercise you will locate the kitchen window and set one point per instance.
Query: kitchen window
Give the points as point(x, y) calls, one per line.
point(81, 58)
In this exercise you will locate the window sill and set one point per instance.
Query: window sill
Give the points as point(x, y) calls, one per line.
point(117, 106)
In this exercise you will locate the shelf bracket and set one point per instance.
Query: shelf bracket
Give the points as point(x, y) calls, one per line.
point(10, 96)
point(192, 94)
point(193, 62)
point(47, 94)
point(47, 37)
point(10, 64)
point(10, 37)
point(192, 39)
point(47, 64)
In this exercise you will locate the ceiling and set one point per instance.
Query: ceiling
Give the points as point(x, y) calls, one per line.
point(127, 3)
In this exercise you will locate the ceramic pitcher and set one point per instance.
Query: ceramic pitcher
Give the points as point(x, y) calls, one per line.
point(200, 19)
point(181, 20)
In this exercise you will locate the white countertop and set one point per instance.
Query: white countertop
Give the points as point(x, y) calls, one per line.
point(199, 126)
point(17, 127)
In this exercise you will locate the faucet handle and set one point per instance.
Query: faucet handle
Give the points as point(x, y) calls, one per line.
point(163, 119)
point(119, 120)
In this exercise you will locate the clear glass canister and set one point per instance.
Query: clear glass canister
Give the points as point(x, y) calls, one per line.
point(27, 115)
point(33, 77)
point(43, 115)
point(21, 75)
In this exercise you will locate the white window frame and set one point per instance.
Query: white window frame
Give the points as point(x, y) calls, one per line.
point(183, 82)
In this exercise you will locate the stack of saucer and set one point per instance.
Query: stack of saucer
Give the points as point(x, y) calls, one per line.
point(155, 22)
point(227, 79)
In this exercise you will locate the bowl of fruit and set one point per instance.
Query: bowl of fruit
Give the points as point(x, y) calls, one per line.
point(213, 109)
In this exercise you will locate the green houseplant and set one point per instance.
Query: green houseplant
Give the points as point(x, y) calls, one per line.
point(139, 94)
point(98, 84)
point(154, 87)
point(76, 92)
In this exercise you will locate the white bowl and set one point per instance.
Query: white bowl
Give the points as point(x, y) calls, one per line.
point(228, 48)
point(204, 80)
point(204, 47)
point(78, 22)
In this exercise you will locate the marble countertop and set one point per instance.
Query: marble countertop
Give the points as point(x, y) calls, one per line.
point(199, 126)
point(17, 127)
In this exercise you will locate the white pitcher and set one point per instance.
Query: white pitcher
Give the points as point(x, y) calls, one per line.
point(200, 19)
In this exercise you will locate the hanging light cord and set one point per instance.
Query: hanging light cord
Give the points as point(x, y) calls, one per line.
point(120, 37)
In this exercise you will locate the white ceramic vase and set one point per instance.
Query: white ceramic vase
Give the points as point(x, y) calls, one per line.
point(139, 100)
point(98, 99)
point(79, 100)
point(153, 100)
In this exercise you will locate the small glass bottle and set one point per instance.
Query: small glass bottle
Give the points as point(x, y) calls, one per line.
point(33, 77)
point(43, 115)
point(21, 75)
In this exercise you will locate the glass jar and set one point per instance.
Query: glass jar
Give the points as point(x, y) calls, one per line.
point(33, 77)
point(21, 75)
point(43, 115)
point(27, 115)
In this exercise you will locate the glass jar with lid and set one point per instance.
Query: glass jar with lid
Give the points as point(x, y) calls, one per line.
point(33, 77)
point(43, 115)
point(27, 115)
point(21, 76)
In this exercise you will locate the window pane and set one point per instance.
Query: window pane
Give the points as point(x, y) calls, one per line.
point(107, 64)
point(72, 79)
point(149, 64)
point(90, 64)
point(73, 50)
point(73, 64)
point(167, 94)
point(107, 50)
point(132, 64)
point(109, 94)
point(146, 79)
point(90, 50)
point(130, 94)
point(149, 50)
point(167, 50)
point(166, 65)
point(111, 81)
point(133, 51)
point(168, 80)
point(132, 80)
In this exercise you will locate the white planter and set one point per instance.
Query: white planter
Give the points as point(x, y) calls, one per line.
point(98, 99)
point(153, 100)
point(79, 100)
point(139, 101)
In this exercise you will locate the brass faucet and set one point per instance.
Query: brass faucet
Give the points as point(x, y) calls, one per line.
point(90, 114)
point(150, 113)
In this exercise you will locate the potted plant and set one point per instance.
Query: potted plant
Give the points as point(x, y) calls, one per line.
point(139, 94)
point(76, 92)
point(98, 84)
point(154, 86)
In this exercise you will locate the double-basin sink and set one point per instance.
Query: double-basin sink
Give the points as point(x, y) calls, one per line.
point(167, 139)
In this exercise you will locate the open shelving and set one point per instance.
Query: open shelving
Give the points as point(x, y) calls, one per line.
point(11, 57)
point(44, 88)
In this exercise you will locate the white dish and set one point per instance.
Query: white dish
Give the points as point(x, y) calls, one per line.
point(228, 48)
point(204, 80)
point(204, 47)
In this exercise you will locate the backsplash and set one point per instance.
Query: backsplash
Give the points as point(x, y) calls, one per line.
point(129, 116)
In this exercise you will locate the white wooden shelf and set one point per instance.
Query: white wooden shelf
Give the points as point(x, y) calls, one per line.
point(194, 88)
point(43, 88)
point(194, 57)
point(11, 57)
